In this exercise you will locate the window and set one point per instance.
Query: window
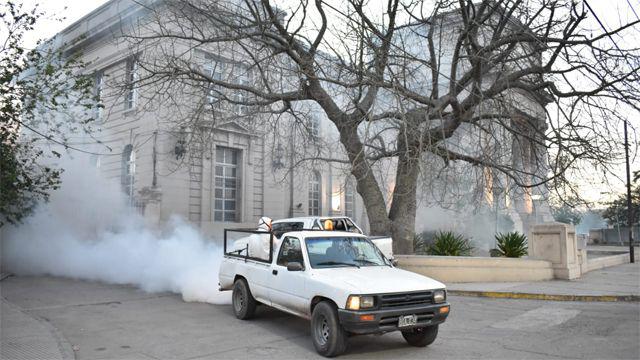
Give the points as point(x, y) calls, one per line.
point(314, 126)
point(279, 229)
point(99, 84)
point(351, 227)
point(290, 251)
point(226, 184)
point(131, 79)
point(241, 76)
point(240, 107)
point(215, 69)
point(128, 170)
point(95, 161)
point(349, 199)
point(314, 193)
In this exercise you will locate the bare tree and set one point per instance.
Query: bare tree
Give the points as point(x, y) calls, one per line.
point(524, 90)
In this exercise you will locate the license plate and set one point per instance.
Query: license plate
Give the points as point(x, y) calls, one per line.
point(407, 320)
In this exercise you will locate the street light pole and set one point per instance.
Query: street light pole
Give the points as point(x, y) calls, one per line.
point(629, 208)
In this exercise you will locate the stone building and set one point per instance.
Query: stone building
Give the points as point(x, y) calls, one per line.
point(228, 175)
point(239, 174)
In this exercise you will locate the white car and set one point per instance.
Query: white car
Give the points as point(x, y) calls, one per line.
point(342, 283)
point(340, 223)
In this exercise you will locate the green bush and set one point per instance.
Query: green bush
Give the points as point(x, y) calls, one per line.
point(422, 241)
point(447, 243)
point(512, 244)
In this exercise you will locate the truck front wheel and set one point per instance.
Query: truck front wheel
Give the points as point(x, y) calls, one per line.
point(329, 338)
point(422, 336)
point(244, 305)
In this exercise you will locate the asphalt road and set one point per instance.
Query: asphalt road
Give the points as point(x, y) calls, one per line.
point(116, 322)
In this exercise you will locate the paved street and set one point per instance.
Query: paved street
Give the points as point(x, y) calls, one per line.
point(102, 321)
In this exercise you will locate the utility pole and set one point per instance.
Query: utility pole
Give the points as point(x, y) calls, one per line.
point(291, 159)
point(626, 143)
point(629, 207)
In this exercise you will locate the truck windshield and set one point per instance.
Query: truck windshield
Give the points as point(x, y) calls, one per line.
point(325, 252)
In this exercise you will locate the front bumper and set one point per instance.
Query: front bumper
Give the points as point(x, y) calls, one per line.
point(387, 319)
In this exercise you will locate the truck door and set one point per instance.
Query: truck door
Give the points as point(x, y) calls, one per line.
point(287, 288)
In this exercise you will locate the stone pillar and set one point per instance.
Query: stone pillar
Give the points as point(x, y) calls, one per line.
point(556, 242)
point(582, 240)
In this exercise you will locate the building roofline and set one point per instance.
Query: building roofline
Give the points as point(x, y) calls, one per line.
point(75, 35)
point(85, 17)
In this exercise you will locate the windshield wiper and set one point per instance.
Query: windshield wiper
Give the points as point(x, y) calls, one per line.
point(337, 263)
point(369, 262)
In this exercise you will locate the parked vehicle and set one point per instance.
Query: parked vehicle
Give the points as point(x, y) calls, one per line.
point(341, 282)
point(339, 223)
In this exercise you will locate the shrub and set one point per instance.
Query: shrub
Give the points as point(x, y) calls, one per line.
point(447, 243)
point(422, 242)
point(512, 244)
point(495, 253)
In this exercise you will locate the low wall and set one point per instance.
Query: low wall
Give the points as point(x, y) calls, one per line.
point(606, 261)
point(476, 269)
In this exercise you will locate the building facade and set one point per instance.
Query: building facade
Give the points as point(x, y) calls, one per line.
point(228, 169)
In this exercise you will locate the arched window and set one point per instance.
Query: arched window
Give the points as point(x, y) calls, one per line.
point(128, 170)
point(349, 199)
point(315, 187)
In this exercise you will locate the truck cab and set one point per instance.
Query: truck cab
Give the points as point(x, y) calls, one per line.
point(342, 283)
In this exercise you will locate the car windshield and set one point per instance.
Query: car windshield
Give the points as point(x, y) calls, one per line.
point(325, 252)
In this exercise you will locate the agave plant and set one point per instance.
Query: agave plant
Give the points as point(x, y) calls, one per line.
point(447, 243)
point(512, 244)
point(422, 242)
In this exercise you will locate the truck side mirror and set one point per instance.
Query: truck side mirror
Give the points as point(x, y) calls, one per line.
point(294, 266)
point(394, 262)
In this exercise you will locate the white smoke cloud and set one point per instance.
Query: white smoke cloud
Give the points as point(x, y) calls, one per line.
point(87, 231)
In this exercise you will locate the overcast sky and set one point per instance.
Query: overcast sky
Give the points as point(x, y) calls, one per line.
point(611, 12)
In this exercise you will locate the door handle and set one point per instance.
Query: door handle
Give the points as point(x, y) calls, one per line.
point(274, 272)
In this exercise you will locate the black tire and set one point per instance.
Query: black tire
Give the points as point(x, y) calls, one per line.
point(422, 336)
point(244, 305)
point(329, 338)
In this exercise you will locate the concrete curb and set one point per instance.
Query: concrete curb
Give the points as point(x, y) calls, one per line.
point(28, 349)
point(547, 297)
point(65, 347)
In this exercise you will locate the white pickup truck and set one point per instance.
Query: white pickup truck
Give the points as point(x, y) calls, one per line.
point(341, 282)
point(340, 223)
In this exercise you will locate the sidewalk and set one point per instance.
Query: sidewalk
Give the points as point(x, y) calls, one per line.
point(25, 337)
point(616, 283)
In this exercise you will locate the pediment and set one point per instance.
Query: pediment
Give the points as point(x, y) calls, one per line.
point(232, 126)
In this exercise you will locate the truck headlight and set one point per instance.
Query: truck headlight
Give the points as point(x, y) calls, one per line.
point(356, 302)
point(439, 296)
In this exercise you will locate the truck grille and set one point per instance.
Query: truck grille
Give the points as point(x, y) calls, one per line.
point(391, 301)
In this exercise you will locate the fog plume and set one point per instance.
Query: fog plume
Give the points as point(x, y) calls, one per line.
point(88, 231)
point(478, 225)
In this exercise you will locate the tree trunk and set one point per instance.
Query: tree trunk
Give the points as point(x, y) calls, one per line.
point(403, 207)
point(366, 183)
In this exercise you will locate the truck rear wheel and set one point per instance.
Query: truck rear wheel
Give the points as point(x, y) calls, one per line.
point(244, 305)
point(329, 338)
point(422, 336)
